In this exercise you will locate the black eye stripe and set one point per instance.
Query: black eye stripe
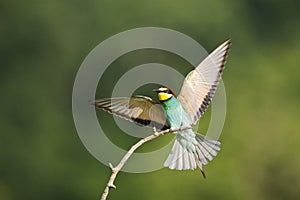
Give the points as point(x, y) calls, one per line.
point(166, 91)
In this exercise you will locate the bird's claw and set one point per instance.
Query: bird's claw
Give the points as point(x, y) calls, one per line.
point(154, 129)
point(181, 126)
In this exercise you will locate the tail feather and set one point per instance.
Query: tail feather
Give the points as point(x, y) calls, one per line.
point(201, 156)
point(176, 155)
point(192, 161)
point(210, 144)
point(208, 140)
point(199, 164)
point(185, 158)
point(182, 159)
point(205, 152)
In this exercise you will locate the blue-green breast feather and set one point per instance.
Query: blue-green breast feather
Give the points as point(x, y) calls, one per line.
point(177, 117)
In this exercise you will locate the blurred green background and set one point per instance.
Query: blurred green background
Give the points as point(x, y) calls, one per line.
point(43, 44)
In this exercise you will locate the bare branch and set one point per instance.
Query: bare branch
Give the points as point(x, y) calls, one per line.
point(115, 170)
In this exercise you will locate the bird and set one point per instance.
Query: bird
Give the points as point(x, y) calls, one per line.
point(190, 149)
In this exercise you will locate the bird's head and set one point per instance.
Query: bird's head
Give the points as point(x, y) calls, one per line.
point(164, 93)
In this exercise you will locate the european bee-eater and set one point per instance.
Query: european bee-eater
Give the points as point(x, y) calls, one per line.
point(190, 149)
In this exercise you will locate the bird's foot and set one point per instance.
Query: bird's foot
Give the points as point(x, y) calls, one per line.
point(154, 129)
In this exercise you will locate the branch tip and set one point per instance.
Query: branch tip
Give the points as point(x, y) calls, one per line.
point(112, 186)
point(111, 166)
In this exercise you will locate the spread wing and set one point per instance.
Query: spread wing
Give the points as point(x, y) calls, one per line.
point(200, 84)
point(139, 109)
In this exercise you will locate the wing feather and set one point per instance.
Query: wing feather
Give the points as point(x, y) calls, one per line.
point(139, 109)
point(200, 84)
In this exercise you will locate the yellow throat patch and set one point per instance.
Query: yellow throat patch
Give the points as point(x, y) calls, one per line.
point(164, 96)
